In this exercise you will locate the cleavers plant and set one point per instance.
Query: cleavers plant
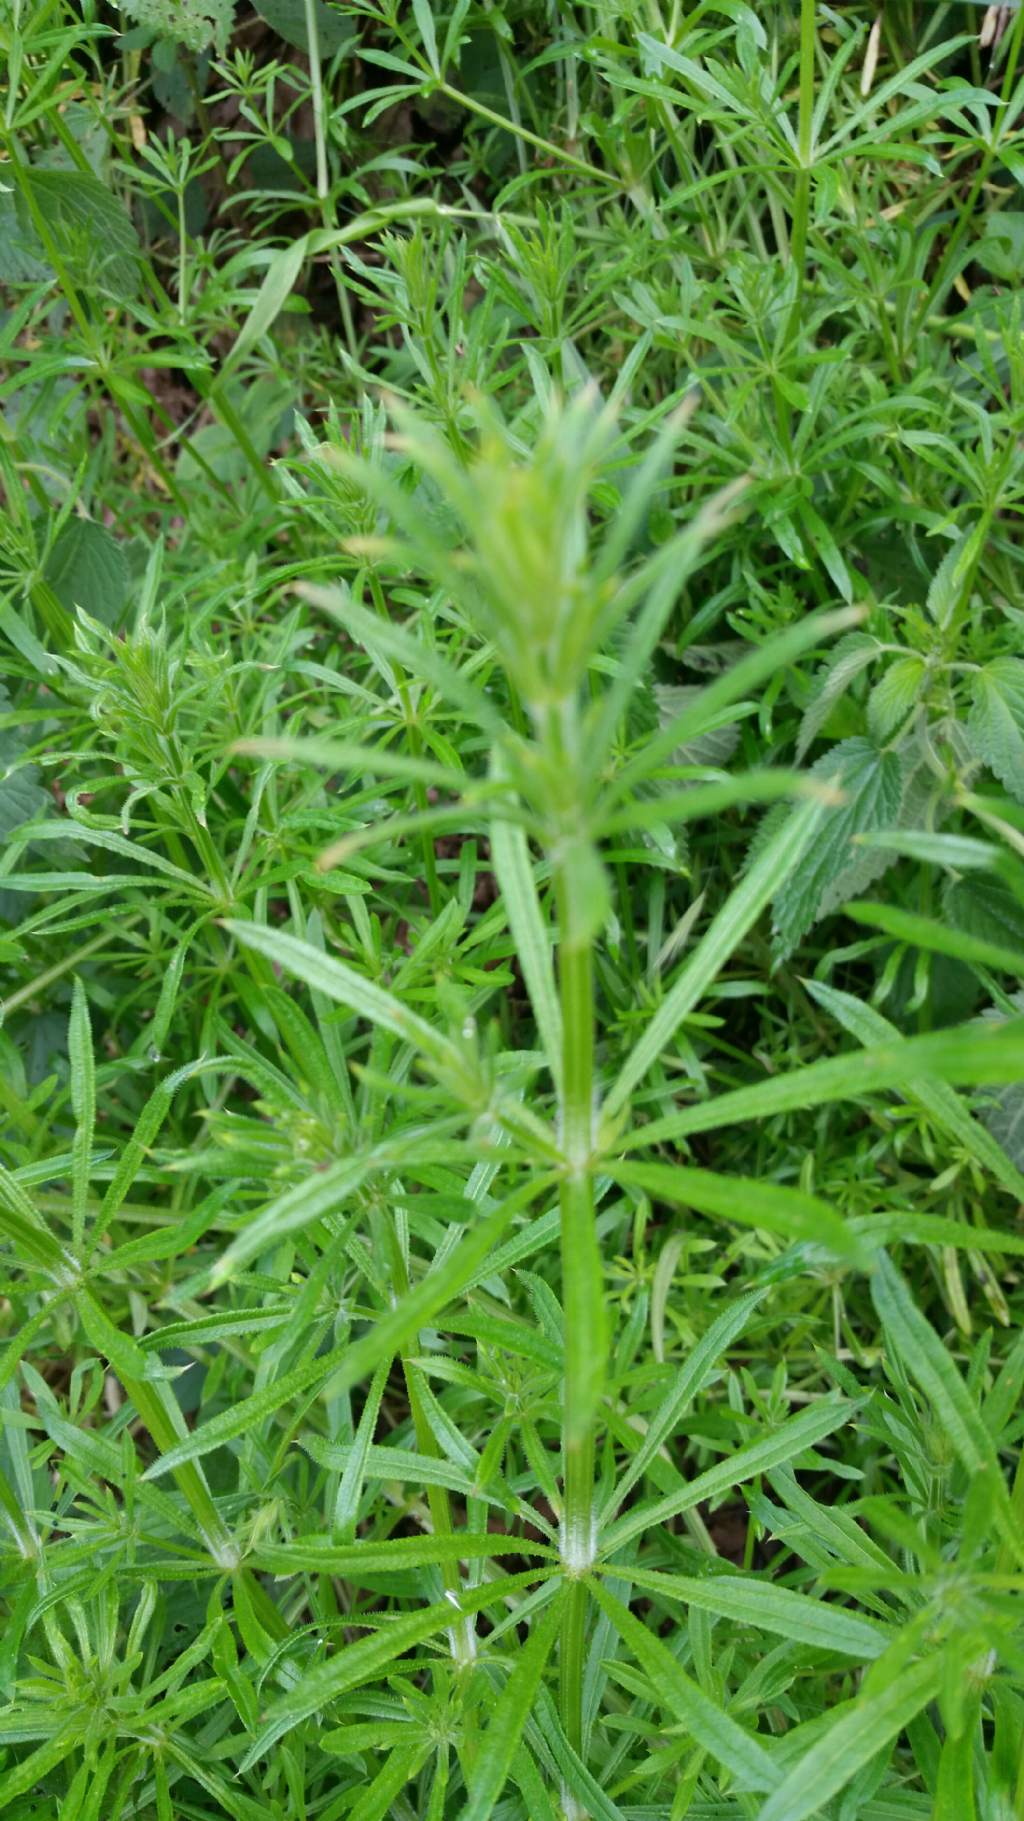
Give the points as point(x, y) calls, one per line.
point(510, 1260)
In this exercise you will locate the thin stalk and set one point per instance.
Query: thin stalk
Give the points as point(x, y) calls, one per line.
point(323, 187)
point(463, 1631)
point(583, 1302)
point(215, 395)
point(182, 256)
point(317, 87)
point(189, 1477)
point(25, 994)
point(805, 147)
point(523, 132)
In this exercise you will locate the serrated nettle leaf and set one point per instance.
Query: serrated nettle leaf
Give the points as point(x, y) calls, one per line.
point(87, 568)
point(715, 747)
point(984, 904)
point(851, 655)
point(947, 584)
point(893, 697)
point(290, 20)
point(195, 23)
point(995, 724)
point(87, 224)
point(872, 784)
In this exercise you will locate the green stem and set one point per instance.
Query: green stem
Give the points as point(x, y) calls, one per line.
point(463, 1632)
point(149, 1402)
point(317, 87)
point(583, 1301)
point(323, 186)
point(28, 992)
point(523, 132)
point(805, 146)
point(215, 395)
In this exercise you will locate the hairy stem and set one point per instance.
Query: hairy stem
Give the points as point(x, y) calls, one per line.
point(583, 1302)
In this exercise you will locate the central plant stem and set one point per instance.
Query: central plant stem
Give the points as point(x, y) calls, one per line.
point(583, 1299)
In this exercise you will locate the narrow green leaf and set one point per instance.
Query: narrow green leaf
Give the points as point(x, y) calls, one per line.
point(249, 1413)
point(792, 1438)
point(965, 1053)
point(864, 1729)
point(928, 1361)
point(124, 1353)
point(342, 984)
point(321, 1194)
point(902, 1226)
point(398, 1767)
point(34, 1768)
point(350, 1489)
point(24, 1227)
point(83, 1105)
point(791, 1212)
point(926, 932)
point(344, 755)
point(739, 681)
point(747, 1600)
point(402, 1465)
point(278, 284)
point(363, 1661)
point(497, 1749)
point(711, 1726)
point(353, 1360)
point(938, 1100)
point(320, 1555)
point(690, 1379)
point(510, 857)
point(111, 842)
point(741, 910)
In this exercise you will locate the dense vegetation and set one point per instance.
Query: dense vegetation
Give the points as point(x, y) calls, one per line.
point(512, 911)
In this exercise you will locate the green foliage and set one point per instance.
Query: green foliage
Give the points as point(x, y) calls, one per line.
point(195, 23)
point(511, 913)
